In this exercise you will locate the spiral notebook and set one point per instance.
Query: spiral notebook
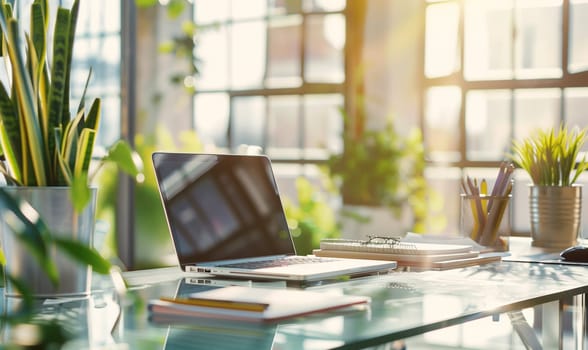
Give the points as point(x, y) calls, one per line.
point(393, 246)
point(417, 254)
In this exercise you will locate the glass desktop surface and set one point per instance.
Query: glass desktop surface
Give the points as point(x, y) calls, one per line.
point(404, 304)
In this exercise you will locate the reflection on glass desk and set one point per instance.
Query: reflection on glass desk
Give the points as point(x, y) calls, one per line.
point(404, 305)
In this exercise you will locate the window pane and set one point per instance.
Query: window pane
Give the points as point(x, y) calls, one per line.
point(323, 5)
point(102, 54)
point(538, 40)
point(211, 118)
point(206, 11)
point(247, 124)
point(109, 130)
point(284, 126)
point(442, 123)
point(488, 39)
point(325, 40)
point(98, 17)
point(323, 125)
point(441, 42)
point(284, 51)
point(248, 9)
point(247, 54)
point(576, 105)
point(488, 127)
point(578, 59)
point(212, 59)
point(535, 109)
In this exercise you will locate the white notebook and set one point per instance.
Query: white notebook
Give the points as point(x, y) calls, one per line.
point(279, 304)
point(394, 247)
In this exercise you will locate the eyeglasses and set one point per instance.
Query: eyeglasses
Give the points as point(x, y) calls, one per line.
point(382, 240)
point(387, 241)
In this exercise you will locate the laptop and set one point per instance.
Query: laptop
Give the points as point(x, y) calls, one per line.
point(226, 218)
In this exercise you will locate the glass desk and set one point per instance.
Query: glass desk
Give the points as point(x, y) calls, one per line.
point(404, 305)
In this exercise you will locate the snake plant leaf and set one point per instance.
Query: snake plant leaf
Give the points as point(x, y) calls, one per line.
point(58, 72)
point(26, 102)
point(93, 118)
point(84, 254)
point(10, 133)
point(25, 222)
point(69, 144)
point(73, 18)
point(82, 104)
point(38, 29)
point(9, 156)
point(63, 171)
point(84, 153)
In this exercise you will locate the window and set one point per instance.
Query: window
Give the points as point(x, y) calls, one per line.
point(271, 74)
point(494, 71)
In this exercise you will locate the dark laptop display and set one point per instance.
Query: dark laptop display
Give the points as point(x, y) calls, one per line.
point(218, 211)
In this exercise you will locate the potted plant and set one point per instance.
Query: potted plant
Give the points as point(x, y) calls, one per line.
point(550, 157)
point(379, 173)
point(48, 206)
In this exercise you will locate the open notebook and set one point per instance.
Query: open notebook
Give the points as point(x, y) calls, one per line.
point(226, 218)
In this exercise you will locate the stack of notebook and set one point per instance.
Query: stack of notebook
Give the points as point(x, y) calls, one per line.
point(419, 254)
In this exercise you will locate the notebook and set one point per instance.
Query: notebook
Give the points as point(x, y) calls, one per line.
point(225, 218)
point(394, 246)
point(418, 254)
point(263, 305)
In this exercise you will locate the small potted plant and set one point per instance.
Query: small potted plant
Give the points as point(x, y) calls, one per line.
point(551, 158)
point(379, 173)
point(47, 214)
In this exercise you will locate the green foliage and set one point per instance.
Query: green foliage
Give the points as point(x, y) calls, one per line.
point(150, 222)
point(383, 168)
point(310, 218)
point(550, 156)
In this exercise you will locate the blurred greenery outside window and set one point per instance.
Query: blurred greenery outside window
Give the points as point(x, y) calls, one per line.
point(494, 71)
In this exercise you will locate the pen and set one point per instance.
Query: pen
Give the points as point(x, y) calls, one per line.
point(223, 304)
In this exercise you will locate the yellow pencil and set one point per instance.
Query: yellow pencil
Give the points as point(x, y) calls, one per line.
point(223, 304)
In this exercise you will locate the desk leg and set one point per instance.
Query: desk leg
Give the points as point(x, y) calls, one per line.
point(579, 324)
point(524, 330)
point(552, 325)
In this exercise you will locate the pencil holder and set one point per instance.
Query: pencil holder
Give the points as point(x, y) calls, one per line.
point(486, 220)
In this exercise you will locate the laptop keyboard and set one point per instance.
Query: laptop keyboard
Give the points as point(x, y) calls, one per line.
point(286, 261)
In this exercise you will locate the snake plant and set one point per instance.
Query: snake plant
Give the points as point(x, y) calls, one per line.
point(550, 156)
point(42, 142)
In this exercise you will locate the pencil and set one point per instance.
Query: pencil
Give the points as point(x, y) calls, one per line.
point(223, 304)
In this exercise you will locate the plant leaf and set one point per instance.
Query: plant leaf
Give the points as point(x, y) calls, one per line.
point(84, 152)
point(84, 254)
point(73, 19)
point(93, 118)
point(59, 68)
point(26, 102)
point(127, 160)
point(80, 192)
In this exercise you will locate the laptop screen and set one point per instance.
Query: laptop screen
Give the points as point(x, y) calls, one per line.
point(221, 207)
